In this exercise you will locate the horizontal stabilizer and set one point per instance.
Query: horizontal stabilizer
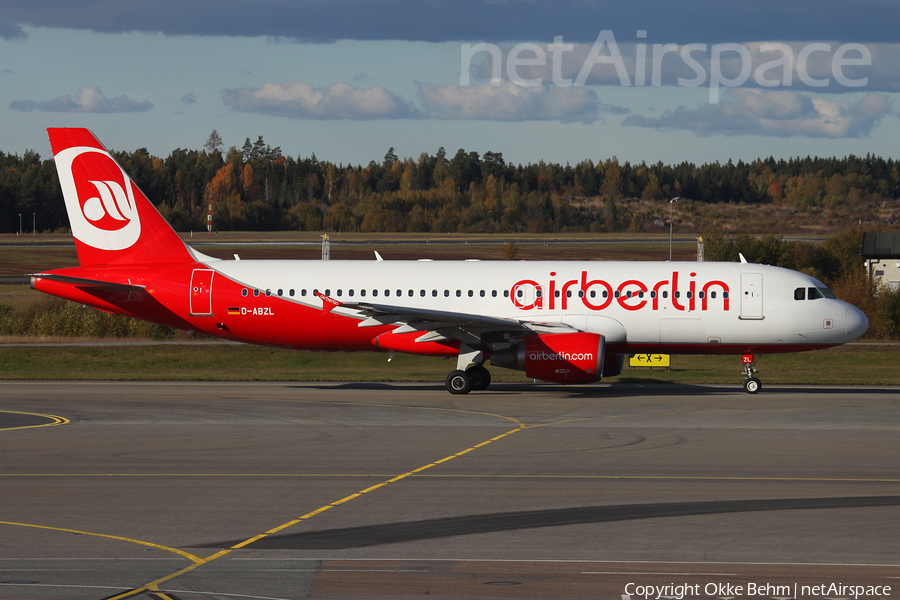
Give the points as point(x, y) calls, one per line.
point(81, 282)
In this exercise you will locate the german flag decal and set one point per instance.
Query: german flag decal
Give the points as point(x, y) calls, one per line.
point(234, 310)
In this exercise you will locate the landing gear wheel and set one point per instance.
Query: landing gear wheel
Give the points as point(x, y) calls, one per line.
point(459, 382)
point(481, 377)
point(752, 385)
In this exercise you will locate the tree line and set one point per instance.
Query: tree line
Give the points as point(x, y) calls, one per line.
point(257, 187)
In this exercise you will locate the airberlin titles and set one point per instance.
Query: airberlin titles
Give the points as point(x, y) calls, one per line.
point(632, 294)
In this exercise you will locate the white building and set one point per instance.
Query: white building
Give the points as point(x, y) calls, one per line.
point(882, 254)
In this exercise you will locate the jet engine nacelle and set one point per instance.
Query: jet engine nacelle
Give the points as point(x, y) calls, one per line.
point(556, 357)
point(613, 365)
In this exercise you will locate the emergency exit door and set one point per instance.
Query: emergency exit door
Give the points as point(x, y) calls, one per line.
point(751, 296)
point(201, 293)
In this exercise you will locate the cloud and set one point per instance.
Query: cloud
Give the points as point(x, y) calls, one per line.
point(88, 99)
point(510, 102)
point(777, 114)
point(298, 100)
point(709, 21)
point(11, 31)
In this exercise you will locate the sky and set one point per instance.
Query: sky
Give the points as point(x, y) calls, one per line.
point(558, 81)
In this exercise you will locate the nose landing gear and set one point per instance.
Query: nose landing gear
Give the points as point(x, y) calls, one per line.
point(751, 384)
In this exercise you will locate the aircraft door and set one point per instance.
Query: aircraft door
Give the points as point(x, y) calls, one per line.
point(526, 295)
point(201, 293)
point(751, 296)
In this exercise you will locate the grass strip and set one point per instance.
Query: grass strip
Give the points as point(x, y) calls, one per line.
point(857, 365)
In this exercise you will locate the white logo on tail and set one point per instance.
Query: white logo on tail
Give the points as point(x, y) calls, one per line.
point(112, 197)
point(99, 199)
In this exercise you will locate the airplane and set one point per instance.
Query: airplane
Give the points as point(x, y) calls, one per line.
point(559, 321)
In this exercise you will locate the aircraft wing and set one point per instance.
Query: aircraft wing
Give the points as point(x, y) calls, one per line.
point(437, 325)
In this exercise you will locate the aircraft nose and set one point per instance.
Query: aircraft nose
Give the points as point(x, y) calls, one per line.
point(857, 322)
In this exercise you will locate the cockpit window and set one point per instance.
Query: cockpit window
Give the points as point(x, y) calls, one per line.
point(814, 293)
point(800, 294)
point(826, 292)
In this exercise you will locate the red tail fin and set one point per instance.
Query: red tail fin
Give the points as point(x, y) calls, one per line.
point(112, 220)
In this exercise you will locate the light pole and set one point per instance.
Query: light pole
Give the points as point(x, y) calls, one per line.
point(20, 223)
point(671, 213)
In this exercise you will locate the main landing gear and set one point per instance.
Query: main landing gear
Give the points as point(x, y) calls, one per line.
point(751, 384)
point(467, 378)
point(473, 378)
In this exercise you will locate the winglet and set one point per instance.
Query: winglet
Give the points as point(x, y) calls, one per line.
point(743, 260)
point(378, 256)
point(328, 303)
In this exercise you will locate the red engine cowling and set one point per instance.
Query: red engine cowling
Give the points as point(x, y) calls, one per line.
point(557, 357)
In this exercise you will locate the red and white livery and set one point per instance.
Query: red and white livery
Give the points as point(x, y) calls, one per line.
point(559, 321)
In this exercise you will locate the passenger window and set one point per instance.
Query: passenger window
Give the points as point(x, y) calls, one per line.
point(268, 292)
point(519, 293)
point(482, 293)
point(665, 293)
point(800, 294)
point(422, 293)
point(291, 293)
point(244, 292)
point(471, 293)
point(339, 293)
point(712, 294)
point(302, 292)
point(724, 294)
point(410, 293)
point(506, 293)
point(399, 293)
point(493, 293)
point(362, 292)
point(458, 293)
point(280, 292)
point(446, 293)
point(374, 292)
point(434, 293)
point(256, 293)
